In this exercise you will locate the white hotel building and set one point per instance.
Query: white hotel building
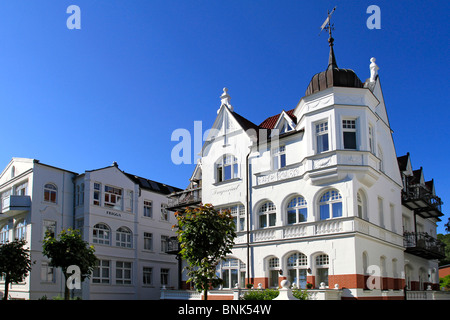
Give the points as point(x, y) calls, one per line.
point(319, 195)
point(124, 216)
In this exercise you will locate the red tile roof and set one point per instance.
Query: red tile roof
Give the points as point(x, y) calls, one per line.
point(270, 122)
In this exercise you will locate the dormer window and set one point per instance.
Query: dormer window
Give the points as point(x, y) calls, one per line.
point(227, 168)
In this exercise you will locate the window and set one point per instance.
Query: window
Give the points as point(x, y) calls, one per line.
point(164, 212)
point(297, 267)
point(238, 214)
point(21, 189)
point(50, 193)
point(147, 276)
point(274, 272)
point(279, 158)
point(330, 205)
point(47, 272)
point(124, 237)
point(322, 137)
point(101, 234)
point(371, 143)
point(267, 215)
point(226, 168)
point(322, 262)
point(129, 201)
point(296, 210)
point(164, 243)
point(349, 133)
point(82, 194)
point(361, 202)
point(148, 209)
point(123, 272)
point(113, 197)
point(381, 212)
point(148, 241)
point(4, 234)
point(20, 230)
point(77, 196)
point(97, 191)
point(50, 227)
point(164, 277)
point(101, 272)
point(232, 272)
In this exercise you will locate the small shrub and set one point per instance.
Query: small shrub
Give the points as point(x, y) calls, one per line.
point(270, 294)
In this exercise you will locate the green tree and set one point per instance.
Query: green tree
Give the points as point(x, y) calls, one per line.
point(446, 240)
point(206, 236)
point(70, 250)
point(15, 263)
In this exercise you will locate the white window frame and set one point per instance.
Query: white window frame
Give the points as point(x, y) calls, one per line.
point(148, 241)
point(321, 130)
point(279, 157)
point(124, 272)
point(225, 163)
point(349, 126)
point(97, 194)
point(47, 272)
point(333, 197)
point(267, 211)
point(124, 237)
point(148, 209)
point(147, 276)
point(297, 204)
point(113, 197)
point(298, 263)
point(49, 190)
point(101, 234)
point(98, 275)
point(164, 212)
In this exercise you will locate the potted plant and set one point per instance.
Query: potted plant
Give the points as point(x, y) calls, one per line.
point(309, 285)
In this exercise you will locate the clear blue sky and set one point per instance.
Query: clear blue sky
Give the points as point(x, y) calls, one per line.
point(137, 70)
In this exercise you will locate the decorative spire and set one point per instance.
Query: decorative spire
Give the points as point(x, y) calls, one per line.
point(329, 27)
point(225, 99)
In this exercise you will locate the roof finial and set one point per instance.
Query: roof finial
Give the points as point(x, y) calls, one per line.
point(328, 26)
point(225, 99)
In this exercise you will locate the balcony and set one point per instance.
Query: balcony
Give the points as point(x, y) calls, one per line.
point(13, 205)
point(423, 245)
point(419, 199)
point(186, 198)
point(173, 246)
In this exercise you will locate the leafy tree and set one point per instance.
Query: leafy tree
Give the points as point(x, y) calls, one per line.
point(446, 240)
point(206, 236)
point(15, 263)
point(70, 250)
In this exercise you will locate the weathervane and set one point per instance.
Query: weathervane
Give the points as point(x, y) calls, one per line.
point(328, 26)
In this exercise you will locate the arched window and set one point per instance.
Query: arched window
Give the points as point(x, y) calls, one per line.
point(101, 234)
point(124, 237)
point(13, 172)
point(296, 210)
point(362, 208)
point(267, 215)
point(4, 234)
point(322, 262)
point(274, 272)
point(330, 205)
point(50, 193)
point(297, 266)
point(232, 272)
point(227, 168)
point(20, 230)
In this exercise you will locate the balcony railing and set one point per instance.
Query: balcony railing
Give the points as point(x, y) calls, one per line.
point(15, 204)
point(423, 245)
point(417, 197)
point(185, 198)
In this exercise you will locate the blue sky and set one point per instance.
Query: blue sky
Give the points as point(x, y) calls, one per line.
point(116, 89)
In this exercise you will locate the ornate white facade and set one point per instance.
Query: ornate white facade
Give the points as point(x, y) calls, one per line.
point(318, 195)
point(122, 215)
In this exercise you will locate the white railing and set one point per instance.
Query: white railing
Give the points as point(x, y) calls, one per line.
point(320, 228)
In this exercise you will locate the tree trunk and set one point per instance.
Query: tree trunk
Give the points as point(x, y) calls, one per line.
point(205, 294)
point(5, 297)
